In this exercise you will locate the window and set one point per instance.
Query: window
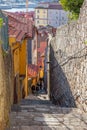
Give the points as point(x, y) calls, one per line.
point(44, 12)
point(38, 16)
point(37, 21)
point(38, 44)
point(37, 11)
point(38, 54)
point(62, 18)
point(45, 22)
point(34, 44)
point(43, 16)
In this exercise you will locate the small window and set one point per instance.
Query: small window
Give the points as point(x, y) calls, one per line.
point(37, 11)
point(44, 12)
point(44, 16)
point(38, 54)
point(44, 22)
point(38, 16)
point(38, 44)
point(37, 21)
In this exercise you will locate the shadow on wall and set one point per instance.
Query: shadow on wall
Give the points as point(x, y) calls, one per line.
point(60, 89)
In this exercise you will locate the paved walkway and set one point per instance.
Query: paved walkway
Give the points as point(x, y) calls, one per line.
point(37, 113)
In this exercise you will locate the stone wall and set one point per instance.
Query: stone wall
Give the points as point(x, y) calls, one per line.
point(6, 88)
point(69, 63)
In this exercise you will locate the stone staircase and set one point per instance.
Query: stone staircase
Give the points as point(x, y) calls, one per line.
point(38, 113)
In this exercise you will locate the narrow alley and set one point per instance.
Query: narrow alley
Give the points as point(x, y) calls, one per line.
point(43, 68)
point(38, 113)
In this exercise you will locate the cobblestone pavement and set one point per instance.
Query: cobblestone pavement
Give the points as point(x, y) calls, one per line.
point(37, 113)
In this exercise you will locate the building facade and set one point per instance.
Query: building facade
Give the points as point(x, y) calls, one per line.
point(34, 48)
point(41, 15)
point(20, 32)
point(50, 14)
point(57, 17)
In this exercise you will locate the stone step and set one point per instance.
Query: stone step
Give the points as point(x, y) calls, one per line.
point(33, 113)
point(39, 102)
point(52, 120)
point(44, 108)
point(48, 128)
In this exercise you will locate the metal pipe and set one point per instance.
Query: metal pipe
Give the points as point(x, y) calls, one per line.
point(48, 64)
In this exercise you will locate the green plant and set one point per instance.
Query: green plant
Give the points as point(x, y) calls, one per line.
point(4, 53)
point(0, 41)
point(1, 22)
point(73, 6)
point(85, 42)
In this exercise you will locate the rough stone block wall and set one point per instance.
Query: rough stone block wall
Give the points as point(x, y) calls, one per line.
point(6, 88)
point(69, 63)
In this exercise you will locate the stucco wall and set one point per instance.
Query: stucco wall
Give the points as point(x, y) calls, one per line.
point(57, 17)
point(69, 63)
point(6, 88)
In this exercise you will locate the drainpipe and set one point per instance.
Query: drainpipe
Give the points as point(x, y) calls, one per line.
point(26, 67)
point(48, 64)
